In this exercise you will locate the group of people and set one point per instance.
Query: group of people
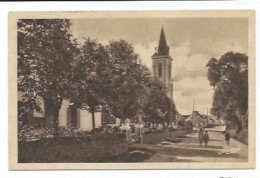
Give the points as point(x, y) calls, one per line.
point(203, 136)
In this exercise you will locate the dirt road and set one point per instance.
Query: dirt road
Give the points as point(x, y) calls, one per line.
point(189, 150)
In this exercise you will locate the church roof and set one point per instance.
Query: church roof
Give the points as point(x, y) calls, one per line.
point(163, 48)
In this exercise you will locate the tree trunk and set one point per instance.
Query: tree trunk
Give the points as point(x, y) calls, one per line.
point(52, 109)
point(93, 118)
point(56, 123)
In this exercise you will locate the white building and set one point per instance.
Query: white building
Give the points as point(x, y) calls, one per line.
point(68, 116)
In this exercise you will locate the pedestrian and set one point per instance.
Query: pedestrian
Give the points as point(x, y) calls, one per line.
point(227, 137)
point(206, 138)
point(200, 136)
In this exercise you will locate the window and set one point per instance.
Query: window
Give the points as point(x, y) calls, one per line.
point(160, 70)
point(106, 117)
point(72, 116)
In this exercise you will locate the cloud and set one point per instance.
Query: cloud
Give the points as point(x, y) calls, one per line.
point(194, 86)
point(226, 47)
point(186, 64)
point(145, 52)
point(189, 74)
point(188, 90)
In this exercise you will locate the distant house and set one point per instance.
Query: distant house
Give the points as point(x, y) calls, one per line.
point(198, 120)
point(184, 116)
point(68, 116)
point(211, 120)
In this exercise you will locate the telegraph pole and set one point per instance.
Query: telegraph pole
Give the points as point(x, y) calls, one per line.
point(171, 103)
point(192, 109)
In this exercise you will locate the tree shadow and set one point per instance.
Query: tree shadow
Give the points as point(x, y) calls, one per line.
point(199, 153)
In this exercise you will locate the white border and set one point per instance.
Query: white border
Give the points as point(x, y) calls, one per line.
point(82, 6)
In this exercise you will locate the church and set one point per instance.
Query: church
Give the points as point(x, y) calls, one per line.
point(82, 119)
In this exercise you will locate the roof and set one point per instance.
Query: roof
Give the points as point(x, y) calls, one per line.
point(197, 112)
point(185, 116)
point(163, 48)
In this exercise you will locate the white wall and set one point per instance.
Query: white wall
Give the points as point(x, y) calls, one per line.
point(63, 113)
point(86, 120)
point(84, 115)
point(19, 96)
point(37, 114)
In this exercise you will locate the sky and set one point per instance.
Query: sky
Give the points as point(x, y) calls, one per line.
point(192, 42)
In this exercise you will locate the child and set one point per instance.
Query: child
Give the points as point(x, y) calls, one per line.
point(200, 136)
point(206, 138)
point(227, 137)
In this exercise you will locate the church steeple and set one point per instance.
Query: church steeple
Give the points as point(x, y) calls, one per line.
point(162, 64)
point(163, 48)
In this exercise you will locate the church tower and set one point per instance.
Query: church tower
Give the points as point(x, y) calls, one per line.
point(162, 64)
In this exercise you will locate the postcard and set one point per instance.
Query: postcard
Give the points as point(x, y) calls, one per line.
point(132, 90)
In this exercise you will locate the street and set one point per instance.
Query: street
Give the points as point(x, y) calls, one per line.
point(187, 149)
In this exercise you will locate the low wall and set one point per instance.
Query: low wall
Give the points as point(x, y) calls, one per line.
point(71, 149)
point(154, 138)
point(157, 137)
point(176, 134)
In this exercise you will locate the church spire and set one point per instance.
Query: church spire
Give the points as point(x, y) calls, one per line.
point(163, 49)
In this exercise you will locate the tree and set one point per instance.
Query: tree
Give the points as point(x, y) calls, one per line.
point(229, 77)
point(46, 57)
point(92, 77)
point(157, 104)
point(128, 80)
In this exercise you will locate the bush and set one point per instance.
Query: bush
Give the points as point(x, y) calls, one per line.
point(233, 133)
point(105, 130)
point(26, 133)
point(243, 136)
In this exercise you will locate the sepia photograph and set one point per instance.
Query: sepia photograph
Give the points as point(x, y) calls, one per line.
point(138, 89)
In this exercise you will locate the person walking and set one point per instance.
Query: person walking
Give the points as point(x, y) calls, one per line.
point(227, 137)
point(206, 138)
point(200, 136)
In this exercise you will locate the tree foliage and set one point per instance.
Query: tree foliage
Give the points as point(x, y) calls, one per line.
point(46, 55)
point(157, 105)
point(129, 80)
point(229, 77)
